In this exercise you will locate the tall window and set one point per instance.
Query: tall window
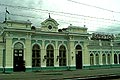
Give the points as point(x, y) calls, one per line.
point(97, 59)
point(91, 59)
point(119, 58)
point(62, 56)
point(50, 56)
point(104, 59)
point(115, 59)
point(36, 56)
point(108, 58)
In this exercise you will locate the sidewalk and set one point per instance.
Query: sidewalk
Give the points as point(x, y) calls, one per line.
point(60, 75)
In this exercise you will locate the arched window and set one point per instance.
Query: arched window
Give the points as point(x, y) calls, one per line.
point(50, 56)
point(115, 59)
point(18, 46)
point(36, 56)
point(62, 56)
point(97, 59)
point(104, 59)
point(91, 59)
point(78, 47)
point(108, 58)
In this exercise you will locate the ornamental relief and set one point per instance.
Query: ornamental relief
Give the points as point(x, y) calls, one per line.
point(116, 52)
point(78, 42)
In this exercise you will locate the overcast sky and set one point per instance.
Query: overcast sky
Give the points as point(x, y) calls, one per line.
point(67, 6)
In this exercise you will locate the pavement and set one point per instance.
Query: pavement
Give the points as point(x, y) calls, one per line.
point(80, 74)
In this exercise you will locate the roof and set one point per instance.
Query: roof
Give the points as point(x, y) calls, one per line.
point(19, 21)
point(76, 27)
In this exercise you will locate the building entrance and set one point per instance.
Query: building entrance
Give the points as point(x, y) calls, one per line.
point(78, 57)
point(19, 64)
point(18, 55)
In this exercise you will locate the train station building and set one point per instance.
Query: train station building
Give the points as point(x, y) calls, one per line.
point(48, 48)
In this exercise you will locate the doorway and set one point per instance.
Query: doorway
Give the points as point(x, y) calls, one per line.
point(18, 60)
point(18, 55)
point(78, 57)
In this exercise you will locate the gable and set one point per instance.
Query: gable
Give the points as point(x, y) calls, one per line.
point(49, 25)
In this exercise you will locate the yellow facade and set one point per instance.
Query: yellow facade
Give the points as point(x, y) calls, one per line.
point(47, 48)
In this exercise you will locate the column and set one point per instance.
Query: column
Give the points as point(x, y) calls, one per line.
point(100, 58)
point(86, 55)
point(2, 55)
point(107, 59)
point(112, 57)
point(28, 54)
point(71, 52)
point(43, 54)
point(117, 58)
point(56, 53)
point(9, 55)
point(94, 59)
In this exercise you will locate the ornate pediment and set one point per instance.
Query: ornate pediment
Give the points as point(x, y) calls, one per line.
point(50, 21)
point(49, 25)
